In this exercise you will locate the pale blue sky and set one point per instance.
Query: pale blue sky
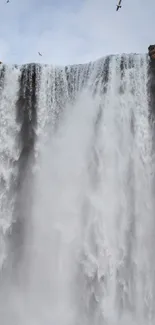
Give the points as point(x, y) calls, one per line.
point(73, 31)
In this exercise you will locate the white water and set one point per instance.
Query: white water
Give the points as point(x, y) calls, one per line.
point(9, 152)
point(90, 258)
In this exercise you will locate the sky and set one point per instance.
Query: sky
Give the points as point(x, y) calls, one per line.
point(73, 31)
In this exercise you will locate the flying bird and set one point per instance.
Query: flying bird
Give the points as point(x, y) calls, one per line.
point(119, 5)
point(39, 53)
point(7, 1)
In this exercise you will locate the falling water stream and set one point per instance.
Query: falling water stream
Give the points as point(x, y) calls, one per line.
point(77, 222)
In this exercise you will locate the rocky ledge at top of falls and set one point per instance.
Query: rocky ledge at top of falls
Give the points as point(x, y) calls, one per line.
point(124, 57)
point(31, 72)
point(67, 81)
point(73, 72)
point(70, 79)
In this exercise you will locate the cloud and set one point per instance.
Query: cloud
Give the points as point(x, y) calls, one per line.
point(73, 31)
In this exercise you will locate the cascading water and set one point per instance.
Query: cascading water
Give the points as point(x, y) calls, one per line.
point(9, 152)
point(77, 195)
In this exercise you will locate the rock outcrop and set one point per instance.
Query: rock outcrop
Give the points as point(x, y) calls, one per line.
point(151, 50)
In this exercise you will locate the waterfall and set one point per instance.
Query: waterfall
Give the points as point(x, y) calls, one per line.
point(77, 193)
